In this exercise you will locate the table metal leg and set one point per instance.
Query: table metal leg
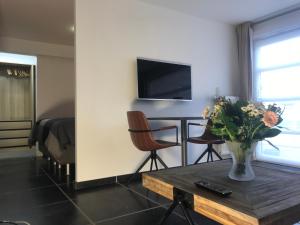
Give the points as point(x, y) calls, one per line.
point(178, 201)
point(184, 159)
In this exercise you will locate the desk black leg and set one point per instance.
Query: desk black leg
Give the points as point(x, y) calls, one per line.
point(177, 202)
point(184, 159)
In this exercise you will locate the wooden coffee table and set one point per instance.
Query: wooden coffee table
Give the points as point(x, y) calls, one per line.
point(272, 198)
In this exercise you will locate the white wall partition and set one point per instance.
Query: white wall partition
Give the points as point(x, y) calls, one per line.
point(15, 45)
point(55, 87)
point(110, 35)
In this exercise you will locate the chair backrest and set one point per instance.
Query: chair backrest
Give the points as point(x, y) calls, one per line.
point(137, 122)
point(207, 135)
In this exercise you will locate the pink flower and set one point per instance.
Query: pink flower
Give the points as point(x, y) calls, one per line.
point(270, 119)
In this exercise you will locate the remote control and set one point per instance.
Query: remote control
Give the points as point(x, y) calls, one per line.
point(221, 190)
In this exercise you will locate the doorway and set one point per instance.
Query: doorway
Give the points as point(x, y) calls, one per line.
point(17, 104)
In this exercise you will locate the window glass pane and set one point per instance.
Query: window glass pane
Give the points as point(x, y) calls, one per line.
point(279, 54)
point(288, 152)
point(279, 83)
point(277, 80)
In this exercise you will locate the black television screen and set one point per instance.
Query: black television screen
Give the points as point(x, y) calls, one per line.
point(163, 80)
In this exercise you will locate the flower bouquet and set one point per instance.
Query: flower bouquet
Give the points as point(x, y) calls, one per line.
point(242, 124)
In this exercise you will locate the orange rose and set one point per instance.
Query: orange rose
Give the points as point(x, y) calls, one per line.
point(270, 119)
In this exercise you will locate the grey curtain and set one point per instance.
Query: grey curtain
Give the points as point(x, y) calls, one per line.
point(15, 98)
point(245, 59)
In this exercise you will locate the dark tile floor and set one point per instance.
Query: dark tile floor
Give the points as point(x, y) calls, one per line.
point(31, 191)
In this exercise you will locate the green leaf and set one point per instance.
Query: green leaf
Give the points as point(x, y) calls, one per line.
point(270, 143)
point(267, 133)
point(279, 120)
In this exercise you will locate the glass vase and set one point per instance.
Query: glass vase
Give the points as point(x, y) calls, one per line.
point(241, 169)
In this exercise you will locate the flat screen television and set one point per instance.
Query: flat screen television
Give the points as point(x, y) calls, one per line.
point(158, 80)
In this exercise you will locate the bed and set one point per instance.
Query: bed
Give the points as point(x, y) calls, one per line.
point(55, 138)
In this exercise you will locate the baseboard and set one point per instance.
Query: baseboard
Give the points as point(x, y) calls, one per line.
point(105, 181)
point(94, 183)
point(124, 178)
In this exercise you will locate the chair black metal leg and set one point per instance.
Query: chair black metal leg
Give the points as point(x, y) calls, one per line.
point(138, 170)
point(155, 161)
point(153, 156)
point(162, 162)
point(208, 156)
point(217, 154)
point(210, 148)
point(151, 164)
point(211, 156)
point(143, 164)
point(201, 156)
point(209, 151)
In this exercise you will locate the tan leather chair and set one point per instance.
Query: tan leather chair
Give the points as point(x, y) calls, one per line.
point(142, 138)
point(206, 138)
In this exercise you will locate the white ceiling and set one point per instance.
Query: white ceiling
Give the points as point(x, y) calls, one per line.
point(50, 20)
point(38, 20)
point(227, 11)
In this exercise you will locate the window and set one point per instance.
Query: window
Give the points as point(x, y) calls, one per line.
point(277, 79)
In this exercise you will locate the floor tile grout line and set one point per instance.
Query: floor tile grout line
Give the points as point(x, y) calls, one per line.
point(13, 161)
point(29, 175)
point(25, 190)
point(178, 214)
point(127, 214)
point(161, 205)
point(137, 212)
point(50, 204)
point(134, 191)
point(54, 183)
point(73, 203)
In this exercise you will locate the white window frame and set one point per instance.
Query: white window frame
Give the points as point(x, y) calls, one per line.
point(256, 71)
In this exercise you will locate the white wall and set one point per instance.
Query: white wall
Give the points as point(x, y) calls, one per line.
point(55, 75)
point(14, 45)
point(55, 87)
point(110, 34)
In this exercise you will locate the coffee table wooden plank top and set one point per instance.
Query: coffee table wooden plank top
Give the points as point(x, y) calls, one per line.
point(272, 198)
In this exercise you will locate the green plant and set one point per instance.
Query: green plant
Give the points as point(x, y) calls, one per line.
point(245, 122)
